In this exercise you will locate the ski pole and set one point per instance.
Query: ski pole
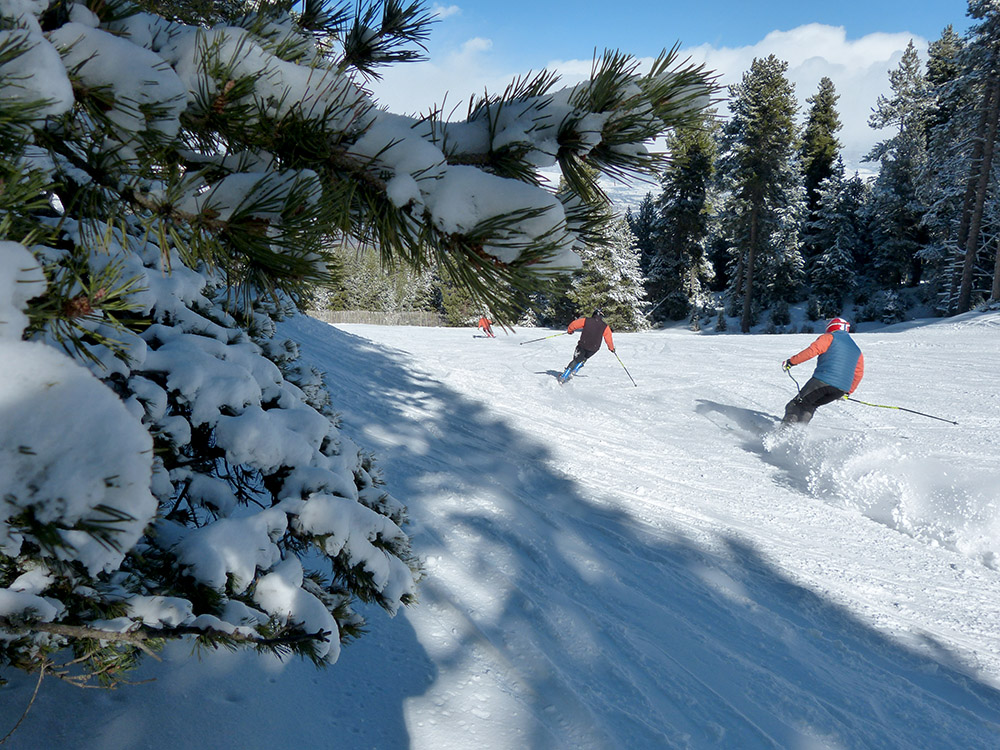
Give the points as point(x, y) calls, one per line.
point(789, 371)
point(543, 338)
point(901, 408)
point(625, 369)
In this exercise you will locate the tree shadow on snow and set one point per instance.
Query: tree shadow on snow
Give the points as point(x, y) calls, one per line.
point(219, 699)
point(595, 630)
point(556, 621)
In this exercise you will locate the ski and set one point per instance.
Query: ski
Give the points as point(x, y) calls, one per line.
point(569, 372)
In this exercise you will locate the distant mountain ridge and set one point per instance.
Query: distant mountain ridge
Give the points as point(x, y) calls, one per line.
point(621, 194)
point(628, 195)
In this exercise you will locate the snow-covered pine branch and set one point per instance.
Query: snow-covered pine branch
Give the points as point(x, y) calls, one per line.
point(168, 464)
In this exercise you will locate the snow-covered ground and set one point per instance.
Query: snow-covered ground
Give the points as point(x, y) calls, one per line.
point(619, 566)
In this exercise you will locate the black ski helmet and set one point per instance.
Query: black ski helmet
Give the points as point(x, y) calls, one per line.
point(597, 313)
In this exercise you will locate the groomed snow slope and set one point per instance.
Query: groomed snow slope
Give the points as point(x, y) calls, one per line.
point(619, 566)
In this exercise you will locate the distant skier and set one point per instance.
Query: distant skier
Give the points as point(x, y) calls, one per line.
point(839, 369)
point(593, 329)
point(485, 327)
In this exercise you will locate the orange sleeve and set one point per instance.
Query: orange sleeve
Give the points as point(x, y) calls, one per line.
point(608, 340)
point(859, 372)
point(814, 349)
point(576, 325)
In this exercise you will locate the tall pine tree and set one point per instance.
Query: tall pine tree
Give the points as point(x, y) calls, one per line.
point(611, 280)
point(820, 147)
point(679, 269)
point(759, 171)
point(899, 233)
point(642, 222)
point(819, 153)
point(944, 183)
point(838, 227)
point(980, 81)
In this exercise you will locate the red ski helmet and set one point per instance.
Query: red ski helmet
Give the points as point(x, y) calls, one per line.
point(838, 324)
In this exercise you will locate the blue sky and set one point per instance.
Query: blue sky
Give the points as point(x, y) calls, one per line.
point(479, 45)
point(537, 31)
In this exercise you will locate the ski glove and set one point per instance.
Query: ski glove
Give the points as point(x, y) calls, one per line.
point(786, 365)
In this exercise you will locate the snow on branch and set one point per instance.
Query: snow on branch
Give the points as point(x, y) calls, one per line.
point(170, 467)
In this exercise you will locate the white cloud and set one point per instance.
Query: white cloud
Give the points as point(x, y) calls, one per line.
point(446, 80)
point(474, 45)
point(444, 11)
point(859, 70)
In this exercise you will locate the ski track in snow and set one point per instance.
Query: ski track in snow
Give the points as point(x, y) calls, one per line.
point(611, 566)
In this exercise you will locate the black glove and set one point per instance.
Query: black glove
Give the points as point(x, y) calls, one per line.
point(786, 365)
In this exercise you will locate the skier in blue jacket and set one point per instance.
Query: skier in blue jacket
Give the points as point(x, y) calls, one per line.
point(839, 368)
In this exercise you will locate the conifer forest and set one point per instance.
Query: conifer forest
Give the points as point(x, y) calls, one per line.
point(757, 212)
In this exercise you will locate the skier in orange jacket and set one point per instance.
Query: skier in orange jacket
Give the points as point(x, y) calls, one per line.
point(839, 368)
point(593, 330)
point(484, 325)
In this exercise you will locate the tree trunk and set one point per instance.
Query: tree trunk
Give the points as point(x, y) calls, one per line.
point(975, 161)
point(982, 185)
point(737, 285)
point(748, 273)
point(995, 291)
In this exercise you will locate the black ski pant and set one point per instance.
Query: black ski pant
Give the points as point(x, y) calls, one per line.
point(580, 356)
point(814, 394)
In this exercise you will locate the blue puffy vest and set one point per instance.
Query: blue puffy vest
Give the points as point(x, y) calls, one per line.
point(836, 365)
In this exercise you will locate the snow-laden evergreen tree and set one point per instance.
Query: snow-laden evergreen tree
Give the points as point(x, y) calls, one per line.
point(899, 233)
point(764, 204)
point(642, 222)
point(551, 308)
point(679, 269)
point(458, 305)
point(943, 184)
point(838, 229)
point(819, 152)
point(820, 148)
point(897, 215)
point(169, 188)
point(971, 135)
point(610, 279)
point(944, 66)
point(364, 283)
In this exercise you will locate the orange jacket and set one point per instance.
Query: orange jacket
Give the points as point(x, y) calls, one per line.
point(578, 324)
point(822, 346)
